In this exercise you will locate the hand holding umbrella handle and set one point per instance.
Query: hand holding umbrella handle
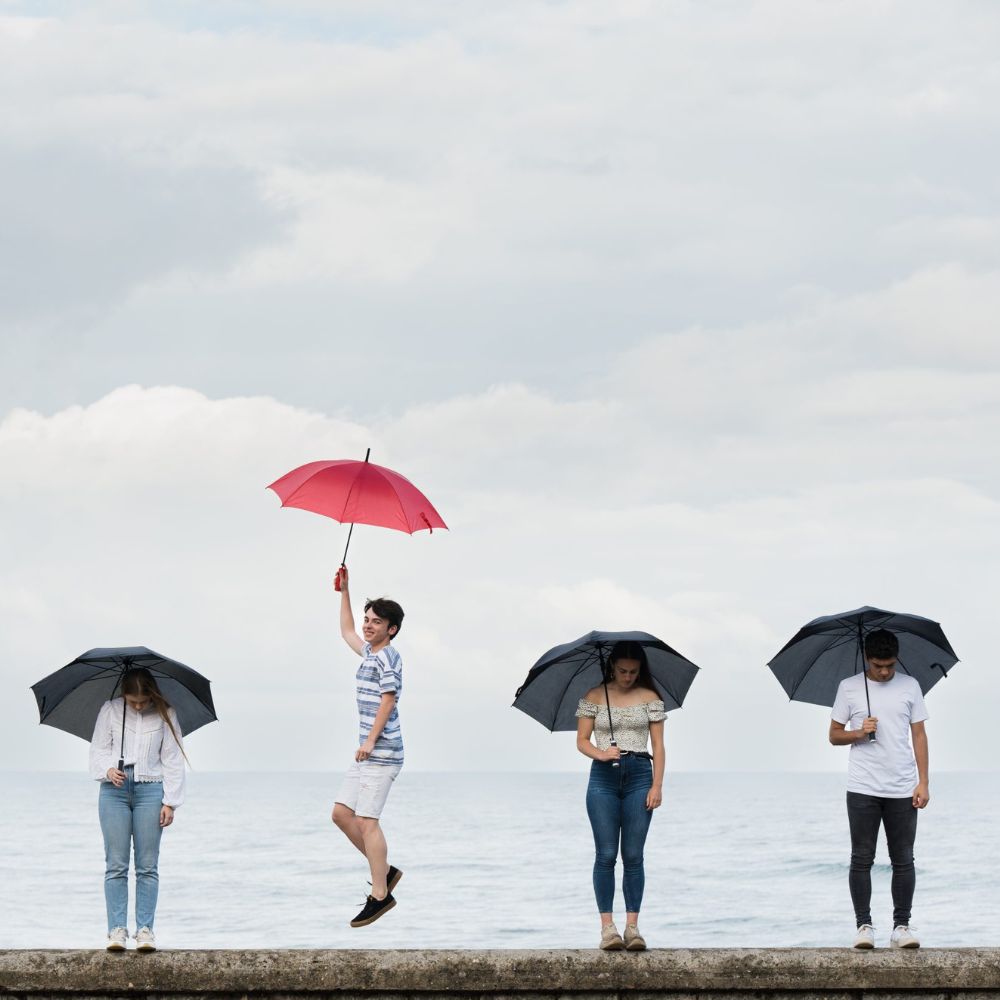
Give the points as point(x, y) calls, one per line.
point(336, 580)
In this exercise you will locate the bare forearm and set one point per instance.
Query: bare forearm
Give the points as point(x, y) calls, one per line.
point(346, 614)
point(846, 737)
point(659, 766)
point(588, 749)
point(381, 717)
point(921, 755)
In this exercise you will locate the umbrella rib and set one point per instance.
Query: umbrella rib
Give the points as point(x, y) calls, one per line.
point(949, 650)
point(586, 662)
point(399, 500)
point(805, 672)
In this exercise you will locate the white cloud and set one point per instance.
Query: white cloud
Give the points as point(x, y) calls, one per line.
point(143, 518)
point(675, 311)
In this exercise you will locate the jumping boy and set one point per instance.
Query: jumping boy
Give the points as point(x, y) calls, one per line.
point(379, 756)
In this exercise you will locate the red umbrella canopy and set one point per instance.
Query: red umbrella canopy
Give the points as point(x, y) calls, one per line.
point(355, 492)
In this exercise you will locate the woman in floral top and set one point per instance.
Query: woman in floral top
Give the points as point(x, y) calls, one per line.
point(626, 781)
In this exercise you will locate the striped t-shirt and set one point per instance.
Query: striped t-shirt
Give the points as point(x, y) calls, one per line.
point(379, 674)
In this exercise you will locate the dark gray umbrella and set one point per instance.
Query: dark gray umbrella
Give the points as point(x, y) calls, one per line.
point(563, 675)
point(71, 698)
point(821, 654)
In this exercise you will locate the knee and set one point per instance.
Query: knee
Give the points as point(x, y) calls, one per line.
point(862, 859)
point(342, 816)
point(367, 825)
point(605, 860)
point(631, 860)
point(901, 859)
point(146, 868)
point(116, 869)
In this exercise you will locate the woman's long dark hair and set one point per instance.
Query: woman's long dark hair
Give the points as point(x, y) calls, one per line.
point(629, 650)
point(139, 682)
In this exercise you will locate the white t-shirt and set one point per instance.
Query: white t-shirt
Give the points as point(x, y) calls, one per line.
point(885, 768)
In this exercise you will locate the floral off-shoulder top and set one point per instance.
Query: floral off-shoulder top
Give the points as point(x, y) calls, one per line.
point(631, 723)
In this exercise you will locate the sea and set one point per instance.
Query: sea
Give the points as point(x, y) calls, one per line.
point(495, 860)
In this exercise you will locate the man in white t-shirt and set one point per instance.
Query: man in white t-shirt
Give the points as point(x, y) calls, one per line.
point(880, 715)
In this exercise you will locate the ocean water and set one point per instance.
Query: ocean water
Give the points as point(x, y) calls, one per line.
point(495, 861)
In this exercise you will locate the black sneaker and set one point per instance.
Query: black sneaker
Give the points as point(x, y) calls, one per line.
point(374, 908)
point(392, 877)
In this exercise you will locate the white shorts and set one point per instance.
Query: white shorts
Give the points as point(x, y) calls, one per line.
point(366, 787)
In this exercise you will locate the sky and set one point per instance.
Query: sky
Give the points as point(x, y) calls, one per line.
point(684, 315)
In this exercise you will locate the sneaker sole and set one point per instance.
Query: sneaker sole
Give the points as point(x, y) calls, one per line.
point(145, 947)
point(635, 946)
point(904, 947)
point(864, 946)
point(371, 920)
point(115, 947)
point(614, 946)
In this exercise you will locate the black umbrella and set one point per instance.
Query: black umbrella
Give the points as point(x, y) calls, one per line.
point(71, 698)
point(812, 664)
point(563, 675)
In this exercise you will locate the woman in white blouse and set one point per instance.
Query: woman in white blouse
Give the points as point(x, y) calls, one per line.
point(138, 757)
point(617, 722)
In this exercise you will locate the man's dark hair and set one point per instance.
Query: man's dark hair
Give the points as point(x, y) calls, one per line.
point(881, 645)
point(387, 610)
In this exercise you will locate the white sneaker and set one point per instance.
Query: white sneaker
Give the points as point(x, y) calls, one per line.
point(866, 937)
point(144, 940)
point(117, 939)
point(903, 937)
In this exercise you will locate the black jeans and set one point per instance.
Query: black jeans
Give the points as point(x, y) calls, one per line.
point(865, 813)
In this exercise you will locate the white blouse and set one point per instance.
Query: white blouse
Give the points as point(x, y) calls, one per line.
point(149, 746)
point(631, 723)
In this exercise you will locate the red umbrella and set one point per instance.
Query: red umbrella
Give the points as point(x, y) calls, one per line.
point(358, 493)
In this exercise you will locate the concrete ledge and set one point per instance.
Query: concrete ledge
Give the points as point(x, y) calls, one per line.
point(828, 973)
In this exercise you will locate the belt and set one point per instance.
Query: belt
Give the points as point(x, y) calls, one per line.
point(636, 753)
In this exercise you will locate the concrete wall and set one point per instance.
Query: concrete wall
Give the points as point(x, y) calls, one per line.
point(709, 974)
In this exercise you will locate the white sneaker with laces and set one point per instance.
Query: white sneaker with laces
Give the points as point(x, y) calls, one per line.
point(117, 939)
point(903, 937)
point(144, 940)
point(866, 937)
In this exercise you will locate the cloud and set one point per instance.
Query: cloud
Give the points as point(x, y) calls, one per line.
point(82, 230)
point(143, 518)
point(675, 312)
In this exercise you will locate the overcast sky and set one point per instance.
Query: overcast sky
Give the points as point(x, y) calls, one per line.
point(683, 314)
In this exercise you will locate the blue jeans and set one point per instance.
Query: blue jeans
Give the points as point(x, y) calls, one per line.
point(131, 814)
point(616, 805)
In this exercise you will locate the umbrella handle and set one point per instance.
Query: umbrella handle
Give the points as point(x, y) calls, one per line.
point(614, 743)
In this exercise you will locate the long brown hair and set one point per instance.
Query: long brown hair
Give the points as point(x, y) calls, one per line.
point(628, 649)
point(139, 682)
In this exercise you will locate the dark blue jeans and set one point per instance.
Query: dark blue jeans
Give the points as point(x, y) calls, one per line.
point(866, 813)
point(616, 805)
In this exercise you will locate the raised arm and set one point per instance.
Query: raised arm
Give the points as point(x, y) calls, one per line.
point(347, 629)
